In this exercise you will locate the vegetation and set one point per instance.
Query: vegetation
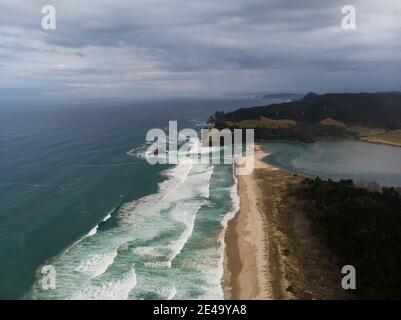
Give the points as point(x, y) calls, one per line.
point(372, 110)
point(389, 137)
point(262, 122)
point(362, 228)
point(374, 117)
point(287, 130)
point(363, 132)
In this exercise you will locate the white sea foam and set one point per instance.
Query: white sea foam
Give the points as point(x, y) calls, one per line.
point(235, 199)
point(109, 290)
point(176, 246)
point(200, 186)
point(184, 200)
point(166, 293)
point(148, 251)
point(107, 217)
point(199, 123)
point(161, 224)
point(180, 173)
point(158, 264)
point(97, 264)
point(171, 293)
point(226, 219)
point(93, 231)
point(139, 152)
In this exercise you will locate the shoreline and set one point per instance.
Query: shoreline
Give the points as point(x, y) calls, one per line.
point(246, 262)
point(382, 142)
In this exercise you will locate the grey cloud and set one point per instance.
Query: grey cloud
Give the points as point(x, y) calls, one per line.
point(278, 43)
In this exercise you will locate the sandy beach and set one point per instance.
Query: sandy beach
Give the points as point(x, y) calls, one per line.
point(271, 252)
point(246, 240)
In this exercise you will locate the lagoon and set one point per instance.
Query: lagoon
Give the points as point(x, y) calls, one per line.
point(344, 159)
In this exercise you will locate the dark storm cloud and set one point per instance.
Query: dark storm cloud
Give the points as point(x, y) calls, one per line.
point(185, 35)
point(185, 46)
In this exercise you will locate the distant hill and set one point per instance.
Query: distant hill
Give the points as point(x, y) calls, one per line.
point(283, 96)
point(315, 115)
point(274, 97)
point(375, 110)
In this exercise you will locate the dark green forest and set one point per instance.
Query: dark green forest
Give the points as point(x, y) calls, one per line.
point(361, 228)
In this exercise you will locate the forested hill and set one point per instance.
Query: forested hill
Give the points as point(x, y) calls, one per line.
point(374, 110)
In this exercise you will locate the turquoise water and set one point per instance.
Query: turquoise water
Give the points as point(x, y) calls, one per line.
point(76, 193)
point(337, 160)
point(165, 245)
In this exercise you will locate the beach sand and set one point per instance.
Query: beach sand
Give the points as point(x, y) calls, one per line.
point(271, 252)
point(246, 241)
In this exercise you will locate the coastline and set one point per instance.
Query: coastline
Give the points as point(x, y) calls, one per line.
point(381, 141)
point(246, 239)
point(270, 249)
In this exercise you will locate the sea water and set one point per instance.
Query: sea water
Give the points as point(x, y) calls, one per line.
point(76, 193)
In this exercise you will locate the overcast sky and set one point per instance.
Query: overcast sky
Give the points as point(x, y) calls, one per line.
point(163, 48)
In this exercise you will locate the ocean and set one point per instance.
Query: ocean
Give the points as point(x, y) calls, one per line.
point(76, 193)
